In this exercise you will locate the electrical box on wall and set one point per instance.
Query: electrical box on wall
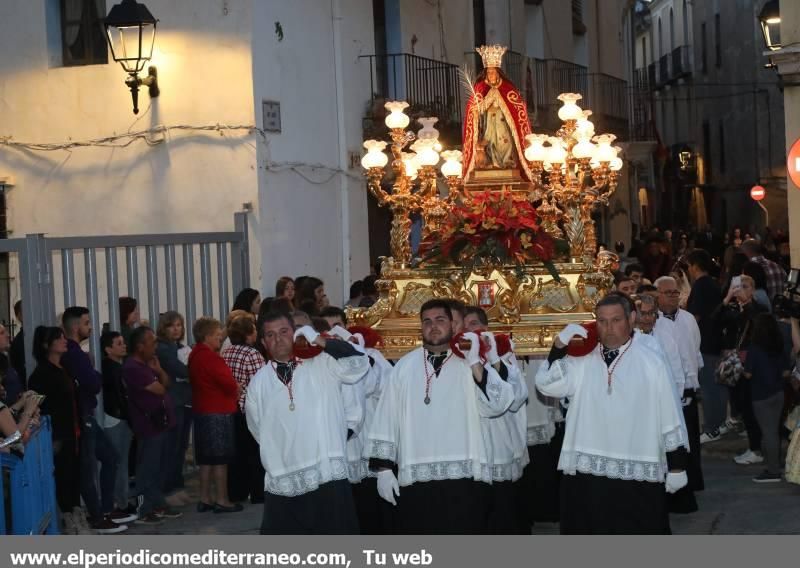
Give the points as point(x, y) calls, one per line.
point(271, 111)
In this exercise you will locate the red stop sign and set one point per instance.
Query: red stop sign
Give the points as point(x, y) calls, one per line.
point(758, 193)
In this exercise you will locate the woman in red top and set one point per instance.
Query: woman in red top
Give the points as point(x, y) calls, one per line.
point(214, 403)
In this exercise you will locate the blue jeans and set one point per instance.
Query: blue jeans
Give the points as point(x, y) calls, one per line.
point(150, 472)
point(715, 396)
point(120, 437)
point(95, 447)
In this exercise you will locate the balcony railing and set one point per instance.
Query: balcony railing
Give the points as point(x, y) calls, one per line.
point(430, 87)
point(681, 62)
point(433, 87)
point(663, 71)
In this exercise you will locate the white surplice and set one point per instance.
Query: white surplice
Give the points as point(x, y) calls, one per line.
point(367, 392)
point(442, 440)
point(664, 332)
point(622, 434)
point(687, 336)
point(541, 412)
point(303, 448)
point(506, 432)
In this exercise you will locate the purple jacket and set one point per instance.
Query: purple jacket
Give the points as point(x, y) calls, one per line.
point(90, 382)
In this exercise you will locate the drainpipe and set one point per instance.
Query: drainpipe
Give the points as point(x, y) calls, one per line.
point(344, 190)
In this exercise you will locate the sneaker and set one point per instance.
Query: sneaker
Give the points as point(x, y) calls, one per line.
point(723, 429)
point(167, 513)
point(121, 517)
point(148, 519)
point(767, 477)
point(107, 526)
point(747, 458)
point(733, 424)
point(707, 437)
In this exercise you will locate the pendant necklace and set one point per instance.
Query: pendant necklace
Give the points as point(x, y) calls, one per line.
point(286, 379)
point(614, 364)
point(429, 376)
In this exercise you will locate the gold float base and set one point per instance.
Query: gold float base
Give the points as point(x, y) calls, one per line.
point(528, 304)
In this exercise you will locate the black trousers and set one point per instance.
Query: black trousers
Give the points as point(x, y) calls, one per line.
point(453, 506)
point(66, 465)
point(684, 500)
point(592, 504)
point(245, 472)
point(375, 516)
point(503, 508)
point(327, 510)
point(742, 399)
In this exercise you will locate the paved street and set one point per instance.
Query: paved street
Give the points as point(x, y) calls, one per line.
point(731, 504)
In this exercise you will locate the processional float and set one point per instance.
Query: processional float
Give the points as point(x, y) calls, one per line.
point(513, 232)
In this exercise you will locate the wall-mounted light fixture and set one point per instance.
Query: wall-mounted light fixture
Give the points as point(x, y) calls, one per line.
point(770, 18)
point(131, 32)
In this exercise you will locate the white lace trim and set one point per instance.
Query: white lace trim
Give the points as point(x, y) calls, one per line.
point(675, 439)
point(382, 449)
point(629, 470)
point(441, 471)
point(510, 471)
point(357, 470)
point(308, 479)
point(541, 434)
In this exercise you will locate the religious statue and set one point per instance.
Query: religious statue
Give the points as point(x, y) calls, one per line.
point(496, 121)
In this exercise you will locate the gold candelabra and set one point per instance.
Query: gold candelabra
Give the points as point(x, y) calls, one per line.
point(415, 187)
point(573, 172)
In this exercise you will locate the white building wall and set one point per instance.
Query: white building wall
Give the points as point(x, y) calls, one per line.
point(192, 181)
point(302, 221)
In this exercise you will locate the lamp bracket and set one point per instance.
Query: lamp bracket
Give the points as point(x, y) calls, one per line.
point(151, 82)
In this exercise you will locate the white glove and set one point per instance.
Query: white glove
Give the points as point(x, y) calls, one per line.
point(388, 488)
point(493, 357)
point(572, 330)
point(509, 358)
point(308, 332)
point(686, 401)
point(358, 340)
point(676, 481)
point(474, 354)
point(341, 332)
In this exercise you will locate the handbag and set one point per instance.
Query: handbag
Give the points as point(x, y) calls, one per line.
point(730, 369)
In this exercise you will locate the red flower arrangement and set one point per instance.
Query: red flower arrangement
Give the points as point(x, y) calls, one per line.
point(493, 227)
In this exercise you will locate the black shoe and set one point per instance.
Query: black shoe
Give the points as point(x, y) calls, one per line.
point(257, 500)
point(232, 509)
point(204, 507)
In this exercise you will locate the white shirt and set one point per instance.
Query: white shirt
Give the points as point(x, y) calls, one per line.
point(444, 439)
point(665, 332)
point(363, 396)
point(624, 434)
point(687, 336)
point(302, 448)
point(506, 433)
point(541, 412)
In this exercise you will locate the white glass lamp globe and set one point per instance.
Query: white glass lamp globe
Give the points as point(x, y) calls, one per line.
point(536, 152)
point(396, 117)
point(570, 109)
point(375, 156)
point(426, 155)
point(452, 163)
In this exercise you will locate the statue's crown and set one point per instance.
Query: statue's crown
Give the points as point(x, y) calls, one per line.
point(492, 55)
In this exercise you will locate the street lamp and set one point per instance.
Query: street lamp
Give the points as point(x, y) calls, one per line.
point(770, 18)
point(131, 32)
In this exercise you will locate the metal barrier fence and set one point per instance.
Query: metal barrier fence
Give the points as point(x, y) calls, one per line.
point(193, 273)
point(31, 488)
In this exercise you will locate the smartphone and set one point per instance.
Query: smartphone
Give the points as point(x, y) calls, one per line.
point(40, 398)
point(736, 282)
